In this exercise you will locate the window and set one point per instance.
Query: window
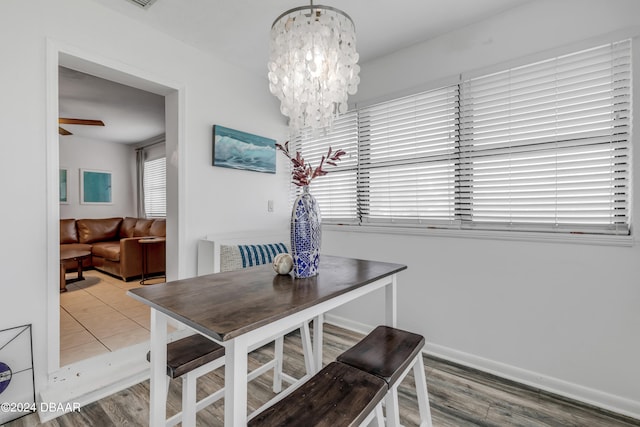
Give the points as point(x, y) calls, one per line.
point(155, 188)
point(541, 147)
point(546, 145)
point(408, 159)
point(335, 192)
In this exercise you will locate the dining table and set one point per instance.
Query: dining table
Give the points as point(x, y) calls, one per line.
point(238, 309)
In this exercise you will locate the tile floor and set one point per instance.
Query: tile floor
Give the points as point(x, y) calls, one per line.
point(96, 317)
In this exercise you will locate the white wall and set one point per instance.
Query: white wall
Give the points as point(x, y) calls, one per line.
point(563, 312)
point(214, 92)
point(561, 316)
point(78, 153)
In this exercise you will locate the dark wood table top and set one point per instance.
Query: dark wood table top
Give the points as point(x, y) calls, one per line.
point(225, 305)
point(69, 254)
point(148, 240)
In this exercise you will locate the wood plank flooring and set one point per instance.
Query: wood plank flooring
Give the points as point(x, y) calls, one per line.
point(459, 397)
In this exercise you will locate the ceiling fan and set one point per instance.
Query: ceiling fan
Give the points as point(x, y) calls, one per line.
point(67, 121)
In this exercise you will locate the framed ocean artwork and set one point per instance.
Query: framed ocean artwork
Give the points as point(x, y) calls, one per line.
point(240, 150)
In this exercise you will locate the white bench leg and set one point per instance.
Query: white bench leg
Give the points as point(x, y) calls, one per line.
point(379, 415)
point(375, 418)
point(391, 405)
point(421, 392)
point(189, 400)
point(176, 418)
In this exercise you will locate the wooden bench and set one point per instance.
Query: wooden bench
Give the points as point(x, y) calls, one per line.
point(337, 396)
point(389, 354)
point(190, 358)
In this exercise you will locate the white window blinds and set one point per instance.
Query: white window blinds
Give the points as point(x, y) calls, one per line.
point(545, 146)
point(155, 188)
point(335, 192)
point(408, 158)
point(541, 147)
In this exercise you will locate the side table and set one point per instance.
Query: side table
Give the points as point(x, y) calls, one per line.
point(145, 243)
point(71, 255)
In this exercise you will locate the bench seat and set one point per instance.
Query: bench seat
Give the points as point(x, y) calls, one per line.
point(386, 353)
point(389, 354)
point(337, 396)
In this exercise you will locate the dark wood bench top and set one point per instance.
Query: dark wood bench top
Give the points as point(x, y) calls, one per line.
point(339, 395)
point(189, 353)
point(386, 352)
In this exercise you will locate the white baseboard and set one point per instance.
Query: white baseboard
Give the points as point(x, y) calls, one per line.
point(349, 324)
point(573, 391)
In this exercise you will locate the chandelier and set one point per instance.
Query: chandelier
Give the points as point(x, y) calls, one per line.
point(313, 65)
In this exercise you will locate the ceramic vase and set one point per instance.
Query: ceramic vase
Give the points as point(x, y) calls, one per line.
point(305, 235)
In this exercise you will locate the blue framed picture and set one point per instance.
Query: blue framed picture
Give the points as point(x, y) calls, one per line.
point(95, 187)
point(240, 150)
point(63, 187)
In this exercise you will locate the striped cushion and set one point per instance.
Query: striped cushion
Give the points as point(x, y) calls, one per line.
point(235, 257)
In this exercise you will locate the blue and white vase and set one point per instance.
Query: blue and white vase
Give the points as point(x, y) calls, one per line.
point(305, 235)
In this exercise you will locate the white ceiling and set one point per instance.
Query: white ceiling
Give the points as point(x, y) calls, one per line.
point(130, 115)
point(238, 32)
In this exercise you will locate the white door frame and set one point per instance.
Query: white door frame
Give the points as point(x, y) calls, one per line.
point(59, 53)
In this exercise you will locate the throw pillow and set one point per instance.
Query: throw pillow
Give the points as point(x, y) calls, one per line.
point(236, 257)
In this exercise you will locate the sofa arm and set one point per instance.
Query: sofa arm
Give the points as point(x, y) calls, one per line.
point(130, 257)
point(131, 253)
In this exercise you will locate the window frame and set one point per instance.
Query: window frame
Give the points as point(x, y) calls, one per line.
point(469, 230)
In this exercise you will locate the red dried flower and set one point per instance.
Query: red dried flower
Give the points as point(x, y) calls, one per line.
point(302, 172)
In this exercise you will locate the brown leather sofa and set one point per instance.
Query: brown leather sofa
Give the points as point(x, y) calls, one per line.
point(113, 243)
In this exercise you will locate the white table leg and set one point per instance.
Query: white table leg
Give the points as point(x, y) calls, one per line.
point(308, 349)
point(391, 314)
point(235, 383)
point(317, 341)
point(158, 380)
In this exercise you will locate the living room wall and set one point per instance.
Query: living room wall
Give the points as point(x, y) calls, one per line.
point(560, 316)
point(208, 199)
point(78, 153)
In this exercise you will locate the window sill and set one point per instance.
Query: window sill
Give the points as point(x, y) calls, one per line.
point(585, 239)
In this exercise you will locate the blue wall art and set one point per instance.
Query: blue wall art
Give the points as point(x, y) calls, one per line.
point(241, 150)
point(63, 186)
point(95, 187)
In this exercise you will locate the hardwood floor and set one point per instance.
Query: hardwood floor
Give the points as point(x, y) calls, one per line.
point(459, 397)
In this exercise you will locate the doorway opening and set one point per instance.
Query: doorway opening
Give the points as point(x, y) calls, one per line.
point(101, 374)
point(112, 197)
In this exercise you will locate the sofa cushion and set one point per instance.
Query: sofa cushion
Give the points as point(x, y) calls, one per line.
point(142, 227)
point(68, 232)
point(158, 228)
point(126, 229)
point(107, 250)
point(98, 230)
point(235, 257)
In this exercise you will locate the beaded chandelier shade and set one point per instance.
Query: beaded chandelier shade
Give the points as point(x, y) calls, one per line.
point(313, 65)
